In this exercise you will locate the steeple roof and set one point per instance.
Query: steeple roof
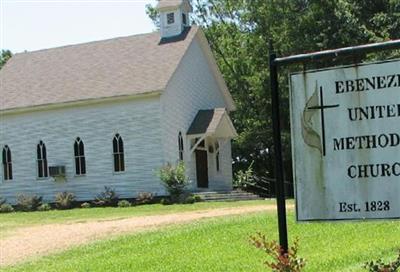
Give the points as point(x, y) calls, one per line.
point(171, 4)
point(162, 4)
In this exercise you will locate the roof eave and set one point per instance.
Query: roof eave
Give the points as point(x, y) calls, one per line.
point(209, 129)
point(83, 102)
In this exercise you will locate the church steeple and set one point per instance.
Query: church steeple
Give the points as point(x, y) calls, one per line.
point(174, 17)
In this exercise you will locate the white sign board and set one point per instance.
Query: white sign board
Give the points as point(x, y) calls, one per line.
point(346, 142)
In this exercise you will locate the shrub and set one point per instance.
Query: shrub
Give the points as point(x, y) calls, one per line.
point(174, 179)
point(165, 201)
point(189, 200)
point(244, 179)
point(107, 198)
point(282, 262)
point(124, 204)
point(380, 266)
point(85, 205)
point(28, 203)
point(6, 208)
point(64, 200)
point(2, 201)
point(184, 198)
point(197, 198)
point(144, 198)
point(44, 207)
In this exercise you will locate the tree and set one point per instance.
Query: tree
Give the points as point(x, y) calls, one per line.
point(4, 57)
point(239, 32)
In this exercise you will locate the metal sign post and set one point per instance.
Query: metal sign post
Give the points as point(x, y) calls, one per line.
point(274, 64)
point(280, 188)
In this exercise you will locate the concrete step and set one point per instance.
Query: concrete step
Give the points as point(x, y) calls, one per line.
point(227, 196)
point(224, 193)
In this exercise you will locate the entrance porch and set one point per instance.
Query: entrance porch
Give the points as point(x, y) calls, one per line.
point(210, 166)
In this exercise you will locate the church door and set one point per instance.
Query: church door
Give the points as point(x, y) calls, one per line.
point(202, 168)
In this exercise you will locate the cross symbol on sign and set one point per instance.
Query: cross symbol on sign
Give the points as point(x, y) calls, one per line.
point(322, 107)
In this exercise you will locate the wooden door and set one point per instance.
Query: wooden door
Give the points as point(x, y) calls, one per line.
point(202, 168)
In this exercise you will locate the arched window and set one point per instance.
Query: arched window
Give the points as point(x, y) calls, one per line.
point(7, 164)
point(79, 152)
point(184, 19)
point(118, 152)
point(180, 146)
point(217, 161)
point(42, 160)
point(217, 155)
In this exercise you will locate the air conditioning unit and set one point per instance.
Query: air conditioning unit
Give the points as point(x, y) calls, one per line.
point(57, 171)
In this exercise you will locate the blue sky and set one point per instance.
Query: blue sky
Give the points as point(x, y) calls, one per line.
point(38, 24)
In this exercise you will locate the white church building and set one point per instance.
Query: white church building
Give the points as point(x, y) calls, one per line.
point(110, 113)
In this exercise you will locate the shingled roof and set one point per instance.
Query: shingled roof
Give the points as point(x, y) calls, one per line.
point(117, 67)
point(208, 121)
point(162, 4)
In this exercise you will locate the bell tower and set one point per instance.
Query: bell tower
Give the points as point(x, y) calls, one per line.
point(174, 17)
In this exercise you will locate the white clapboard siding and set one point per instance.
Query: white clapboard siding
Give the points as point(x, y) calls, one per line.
point(192, 88)
point(136, 120)
point(149, 127)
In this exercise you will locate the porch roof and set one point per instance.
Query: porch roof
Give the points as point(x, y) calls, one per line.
point(214, 122)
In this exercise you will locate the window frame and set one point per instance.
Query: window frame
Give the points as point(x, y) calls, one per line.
point(217, 157)
point(7, 163)
point(80, 157)
point(170, 18)
point(181, 148)
point(42, 160)
point(120, 154)
point(184, 19)
point(217, 161)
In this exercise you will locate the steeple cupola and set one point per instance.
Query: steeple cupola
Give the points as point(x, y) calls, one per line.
point(174, 17)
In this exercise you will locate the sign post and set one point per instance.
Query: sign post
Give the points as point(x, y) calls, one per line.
point(280, 185)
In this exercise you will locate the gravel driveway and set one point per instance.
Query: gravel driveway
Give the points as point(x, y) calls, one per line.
point(29, 242)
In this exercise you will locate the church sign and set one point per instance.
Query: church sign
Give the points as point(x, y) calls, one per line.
point(346, 142)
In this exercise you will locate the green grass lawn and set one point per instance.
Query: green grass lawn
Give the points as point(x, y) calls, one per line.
point(11, 221)
point(222, 244)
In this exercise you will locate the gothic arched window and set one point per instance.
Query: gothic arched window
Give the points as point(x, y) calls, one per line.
point(42, 160)
point(180, 146)
point(118, 153)
point(184, 21)
point(217, 165)
point(79, 152)
point(7, 164)
point(217, 161)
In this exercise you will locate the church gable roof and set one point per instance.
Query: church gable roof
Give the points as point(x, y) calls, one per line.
point(117, 67)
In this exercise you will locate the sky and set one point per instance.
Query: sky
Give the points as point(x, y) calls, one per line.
point(38, 24)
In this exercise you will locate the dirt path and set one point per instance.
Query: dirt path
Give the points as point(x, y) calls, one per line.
point(29, 242)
